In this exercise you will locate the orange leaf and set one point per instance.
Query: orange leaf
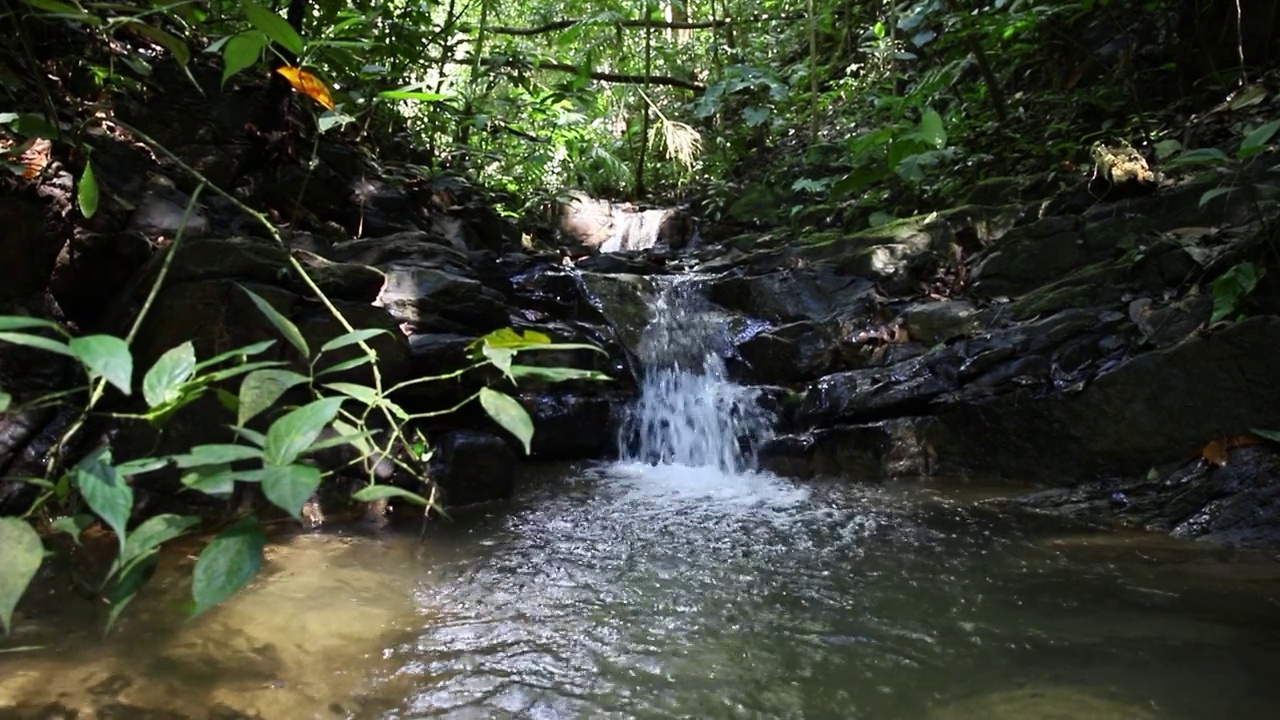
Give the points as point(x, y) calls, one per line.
point(1215, 453)
point(307, 84)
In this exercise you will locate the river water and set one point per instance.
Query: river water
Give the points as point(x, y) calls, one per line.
point(679, 583)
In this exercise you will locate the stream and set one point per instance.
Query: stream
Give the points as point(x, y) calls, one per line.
point(679, 582)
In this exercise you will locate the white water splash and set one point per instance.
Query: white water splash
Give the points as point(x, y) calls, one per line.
point(689, 412)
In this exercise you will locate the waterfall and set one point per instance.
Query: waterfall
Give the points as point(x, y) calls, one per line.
point(689, 413)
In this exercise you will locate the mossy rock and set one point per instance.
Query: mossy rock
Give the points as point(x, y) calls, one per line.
point(1090, 286)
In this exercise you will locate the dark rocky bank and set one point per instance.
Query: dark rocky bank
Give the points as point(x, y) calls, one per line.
point(1064, 348)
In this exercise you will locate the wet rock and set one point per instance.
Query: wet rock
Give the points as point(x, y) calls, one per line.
point(934, 322)
point(30, 248)
point(1033, 255)
point(571, 426)
point(1155, 408)
point(795, 352)
point(426, 299)
point(616, 263)
point(1238, 503)
point(623, 300)
point(418, 246)
point(92, 270)
point(782, 296)
point(472, 466)
point(905, 388)
point(869, 453)
point(161, 210)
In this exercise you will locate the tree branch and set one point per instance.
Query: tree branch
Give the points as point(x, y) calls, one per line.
point(665, 80)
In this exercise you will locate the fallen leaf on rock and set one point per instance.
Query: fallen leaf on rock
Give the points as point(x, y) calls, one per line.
point(1216, 452)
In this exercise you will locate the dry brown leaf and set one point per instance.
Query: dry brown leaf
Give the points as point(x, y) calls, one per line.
point(35, 157)
point(1216, 452)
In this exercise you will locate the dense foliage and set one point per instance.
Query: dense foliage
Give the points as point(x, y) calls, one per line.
point(764, 112)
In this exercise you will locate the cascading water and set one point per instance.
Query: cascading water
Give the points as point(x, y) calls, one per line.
point(689, 412)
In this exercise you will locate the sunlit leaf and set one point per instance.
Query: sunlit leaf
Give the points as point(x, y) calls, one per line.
point(352, 338)
point(163, 382)
point(416, 95)
point(36, 341)
point(294, 432)
point(931, 129)
point(1272, 435)
point(240, 52)
point(281, 323)
point(216, 454)
point(274, 26)
point(150, 535)
point(23, 553)
point(105, 491)
point(307, 84)
point(289, 487)
point(254, 349)
point(261, 389)
point(176, 47)
point(73, 525)
point(228, 563)
point(106, 356)
point(128, 585)
point(509, 414)
point(1256, 141)
point(371, 493)
point(87, 192)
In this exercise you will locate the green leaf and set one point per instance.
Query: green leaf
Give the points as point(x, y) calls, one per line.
point(65, 10)
point(216, 454)
point(294, 432)
point(363, 393)
point(275, 27)
point(128, 586)
point(254, 349)
point(1201, 156)
point(73, 525)
point(1256, 141)
point(141, 466)
point(345, 365)
point(22, 322)
point(1209, 195)
point(289, 487)
point(176, 47)
point(5, 401)
point(106, 356)
point(410, 95)
point(501, 357)
point(370, 493)
point(282, 323)
point(105, 491)
point(87, 193)
point(163, 382)
point(241, 51)
point(557, 374)
point(150, 535)
point(1272, 435)
point(351, 338)
point(227, 564)
point(931, 130)
point(212, 480)
point(509, 414)
point(23, 553)
point(36, 341)
point(262, 388)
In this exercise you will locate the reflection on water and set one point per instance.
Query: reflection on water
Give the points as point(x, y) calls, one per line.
point(642, 592)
